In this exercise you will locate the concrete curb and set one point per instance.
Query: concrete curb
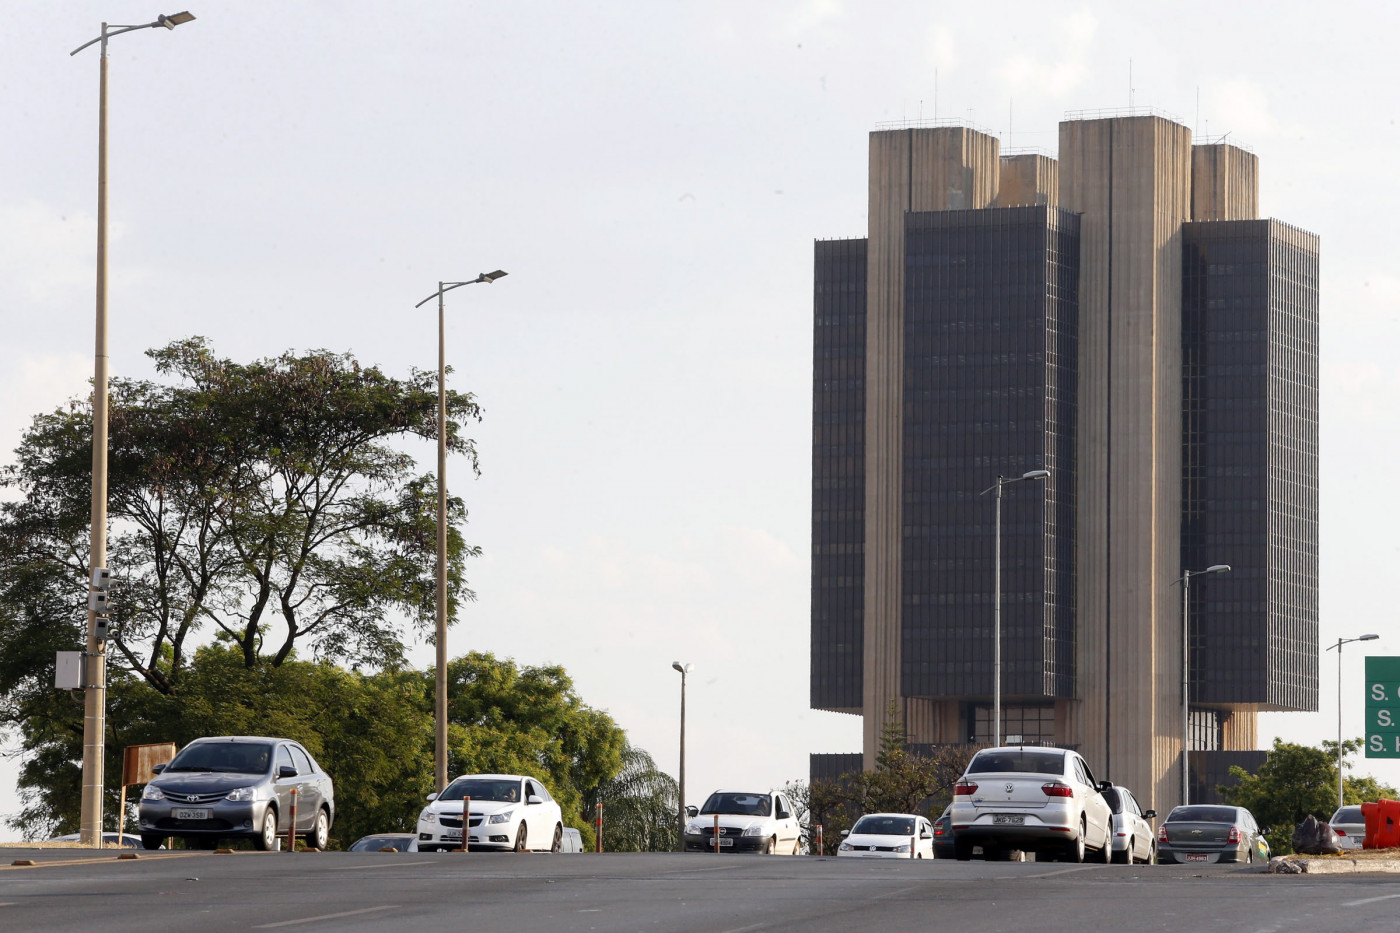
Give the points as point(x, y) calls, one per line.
point(1287, 865)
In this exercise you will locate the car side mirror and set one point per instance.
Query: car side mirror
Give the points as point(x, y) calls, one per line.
point(157, 769)
point(285, 771)
point(534, 798)
point(692, 810)
point(1149, 814)
point(845, 832)
point(433, 796)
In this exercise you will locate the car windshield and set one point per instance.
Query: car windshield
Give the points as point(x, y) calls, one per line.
point(231, 757)
point(504, 791)
point(1032, 761)
point(1348, 815)
point(884, 826)
point(380, 843)
point(1202, 815)
point(740, 804)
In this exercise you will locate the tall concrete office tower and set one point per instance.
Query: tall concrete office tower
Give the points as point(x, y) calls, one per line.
point(1093, 317)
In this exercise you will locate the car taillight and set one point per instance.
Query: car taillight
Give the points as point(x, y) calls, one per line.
point(964, 789)
point(1056, 789)
point(1234, 837)
point(1339, 832)
point(1162, 834)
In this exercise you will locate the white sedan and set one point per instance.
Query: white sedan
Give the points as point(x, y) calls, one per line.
point(744, 821)
point(506, 812)
point(1036, 799)
point(888, 835)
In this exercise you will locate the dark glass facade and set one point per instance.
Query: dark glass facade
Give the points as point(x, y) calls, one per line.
point(838, 474)
point(1250, 461)
point(990, 356)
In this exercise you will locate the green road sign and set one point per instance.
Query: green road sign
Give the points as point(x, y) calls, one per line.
point(1383, 707)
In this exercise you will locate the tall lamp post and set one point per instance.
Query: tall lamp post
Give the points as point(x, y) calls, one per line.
point(680, 835)
point(1185, 582)
point(996, 597)
point(95, 676)
point(440, 706)
point(1338, 646)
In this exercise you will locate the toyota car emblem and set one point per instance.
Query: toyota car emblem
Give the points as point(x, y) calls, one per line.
point(192, 798)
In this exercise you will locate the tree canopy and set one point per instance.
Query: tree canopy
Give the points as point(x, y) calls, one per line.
point(264, 501)
point(1296, 781)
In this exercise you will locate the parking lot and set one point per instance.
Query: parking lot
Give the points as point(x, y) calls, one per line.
point(78, 889)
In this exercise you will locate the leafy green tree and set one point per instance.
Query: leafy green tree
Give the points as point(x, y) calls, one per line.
point(529, 720)
point(1296, 781)
point(902, 782)
point(641, 805)
point(265, 501)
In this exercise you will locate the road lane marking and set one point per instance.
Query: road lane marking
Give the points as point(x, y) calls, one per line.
point(1047, 874)
point(412, 864)
point(751, 928)
point(1371, 900)
point(346, 913)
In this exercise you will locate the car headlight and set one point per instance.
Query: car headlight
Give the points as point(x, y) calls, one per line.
point(152, 793)
point(505, 817)
point(694, 829)
point(428, 817)
point(242, 794)
point(846, 847)
point(903, 848)
point(754, 830)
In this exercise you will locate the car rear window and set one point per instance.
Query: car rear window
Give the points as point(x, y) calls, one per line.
point(1202, 815)
point(884, 826)
point(738, 804)
point(1033, 761)
point(1115, 803)
point(1348, 815)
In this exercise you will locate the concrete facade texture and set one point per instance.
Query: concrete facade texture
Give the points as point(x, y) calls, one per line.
point(1024, 312)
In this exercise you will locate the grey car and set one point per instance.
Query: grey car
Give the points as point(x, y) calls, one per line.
point(1211, 833)
point(238, 787)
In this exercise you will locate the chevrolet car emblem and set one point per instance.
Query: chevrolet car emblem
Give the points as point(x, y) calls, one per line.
point(1195, 832)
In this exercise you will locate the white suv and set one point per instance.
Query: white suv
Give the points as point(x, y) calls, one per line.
point(507, 811)
point(1043, 800)
point(743, 821)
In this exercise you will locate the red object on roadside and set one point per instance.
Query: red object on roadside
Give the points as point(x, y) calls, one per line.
point(292, 826)
point(1382, 824)
point(598, 831)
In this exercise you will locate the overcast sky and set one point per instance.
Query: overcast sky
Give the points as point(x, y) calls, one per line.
point(652, 176)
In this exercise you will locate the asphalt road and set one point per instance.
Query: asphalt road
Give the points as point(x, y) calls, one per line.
point(307, 891)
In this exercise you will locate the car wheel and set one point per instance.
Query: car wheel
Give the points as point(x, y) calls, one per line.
point(769, 846)
point(1076, 847)
point(520, 836)
point(151, 842)
point(1126, 856)
point(558, 844)
point(320, 831)
point(962, 850)
point(266, 839)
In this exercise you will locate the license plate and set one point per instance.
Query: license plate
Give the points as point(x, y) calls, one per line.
point(725, 842)
point(1198, 858)
point(451, 837)
point(1011, 819)
point(190, 814)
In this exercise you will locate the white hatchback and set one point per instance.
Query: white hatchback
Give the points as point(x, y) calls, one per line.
point(888, 835)
point(1043, 800)
point(506, 812)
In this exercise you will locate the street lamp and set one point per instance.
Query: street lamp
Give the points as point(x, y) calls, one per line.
point(1338, 646)
point(440, 706)
point(1185, 582)
point(996, 598)
point(95, 677)
point(680, 836)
